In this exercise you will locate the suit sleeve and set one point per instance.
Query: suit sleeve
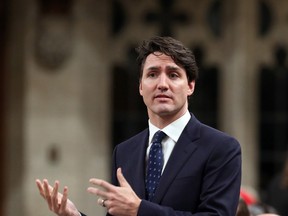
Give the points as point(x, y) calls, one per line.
point(220, 186)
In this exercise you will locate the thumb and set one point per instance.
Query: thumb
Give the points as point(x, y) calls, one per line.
point(122, 181)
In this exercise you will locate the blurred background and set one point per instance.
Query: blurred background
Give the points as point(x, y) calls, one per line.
point(69, 87)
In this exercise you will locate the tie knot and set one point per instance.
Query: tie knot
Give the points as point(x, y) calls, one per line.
point(159, 135)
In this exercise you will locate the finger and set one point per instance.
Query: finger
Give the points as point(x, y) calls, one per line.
point(54, 195)
point(64, 199)
point(122, 181)
point(102, 183)
point(97, 192)
point(47, 193)
point(106, 203)
point(102, 202)
point(40, 187)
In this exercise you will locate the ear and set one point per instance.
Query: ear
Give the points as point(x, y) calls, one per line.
point(140, 88)
point(191, 87)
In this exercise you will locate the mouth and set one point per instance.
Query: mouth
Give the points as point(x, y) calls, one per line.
point(162, 96)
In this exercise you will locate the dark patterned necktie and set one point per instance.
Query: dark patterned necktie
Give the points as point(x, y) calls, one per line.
point(155, 164)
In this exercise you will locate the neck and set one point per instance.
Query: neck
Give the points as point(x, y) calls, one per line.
point(161, 121)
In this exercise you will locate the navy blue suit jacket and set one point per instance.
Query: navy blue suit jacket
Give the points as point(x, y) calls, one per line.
point(202, 175)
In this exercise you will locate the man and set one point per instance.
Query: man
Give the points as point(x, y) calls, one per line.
point(200, 167)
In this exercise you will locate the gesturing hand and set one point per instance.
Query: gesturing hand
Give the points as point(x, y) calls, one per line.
point(119, 201)
point(57, 202)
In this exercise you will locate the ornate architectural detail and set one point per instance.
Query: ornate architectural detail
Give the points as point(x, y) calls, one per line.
point(54, 33)
point(166, 16)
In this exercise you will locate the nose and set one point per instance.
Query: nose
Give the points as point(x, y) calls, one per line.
point(163, 82)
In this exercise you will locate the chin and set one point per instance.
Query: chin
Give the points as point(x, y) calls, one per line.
point(165, 112)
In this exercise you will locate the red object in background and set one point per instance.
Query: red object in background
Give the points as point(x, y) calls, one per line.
point(249, 198)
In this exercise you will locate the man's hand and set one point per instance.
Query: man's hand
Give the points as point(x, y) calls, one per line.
point(119, 201)
point(57, 202)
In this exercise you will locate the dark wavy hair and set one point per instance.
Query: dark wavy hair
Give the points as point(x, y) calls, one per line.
point(169, 46)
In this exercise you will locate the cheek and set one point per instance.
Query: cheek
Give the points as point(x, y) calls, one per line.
point(145, 88)
point(144, 91)
point(182, 91)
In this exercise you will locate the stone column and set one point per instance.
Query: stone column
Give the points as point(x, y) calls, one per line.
point(67, 111)
point(238, 107)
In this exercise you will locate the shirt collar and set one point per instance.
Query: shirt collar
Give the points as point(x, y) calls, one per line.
point(172, 130)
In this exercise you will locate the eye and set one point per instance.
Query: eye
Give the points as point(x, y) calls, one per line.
point(152, 74)
point(173, 75)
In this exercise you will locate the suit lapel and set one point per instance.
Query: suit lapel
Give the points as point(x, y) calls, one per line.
point(180, 154)
point(138, 182)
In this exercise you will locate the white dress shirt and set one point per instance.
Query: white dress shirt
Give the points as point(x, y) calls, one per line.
point(173, 132)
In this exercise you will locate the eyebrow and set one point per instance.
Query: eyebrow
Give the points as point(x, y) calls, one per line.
point(153, 68)
point(168, 67)
point(173, 67)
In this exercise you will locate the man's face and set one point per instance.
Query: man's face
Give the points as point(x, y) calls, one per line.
point(164, 87)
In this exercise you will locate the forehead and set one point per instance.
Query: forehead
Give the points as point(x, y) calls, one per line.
point(157, 59)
